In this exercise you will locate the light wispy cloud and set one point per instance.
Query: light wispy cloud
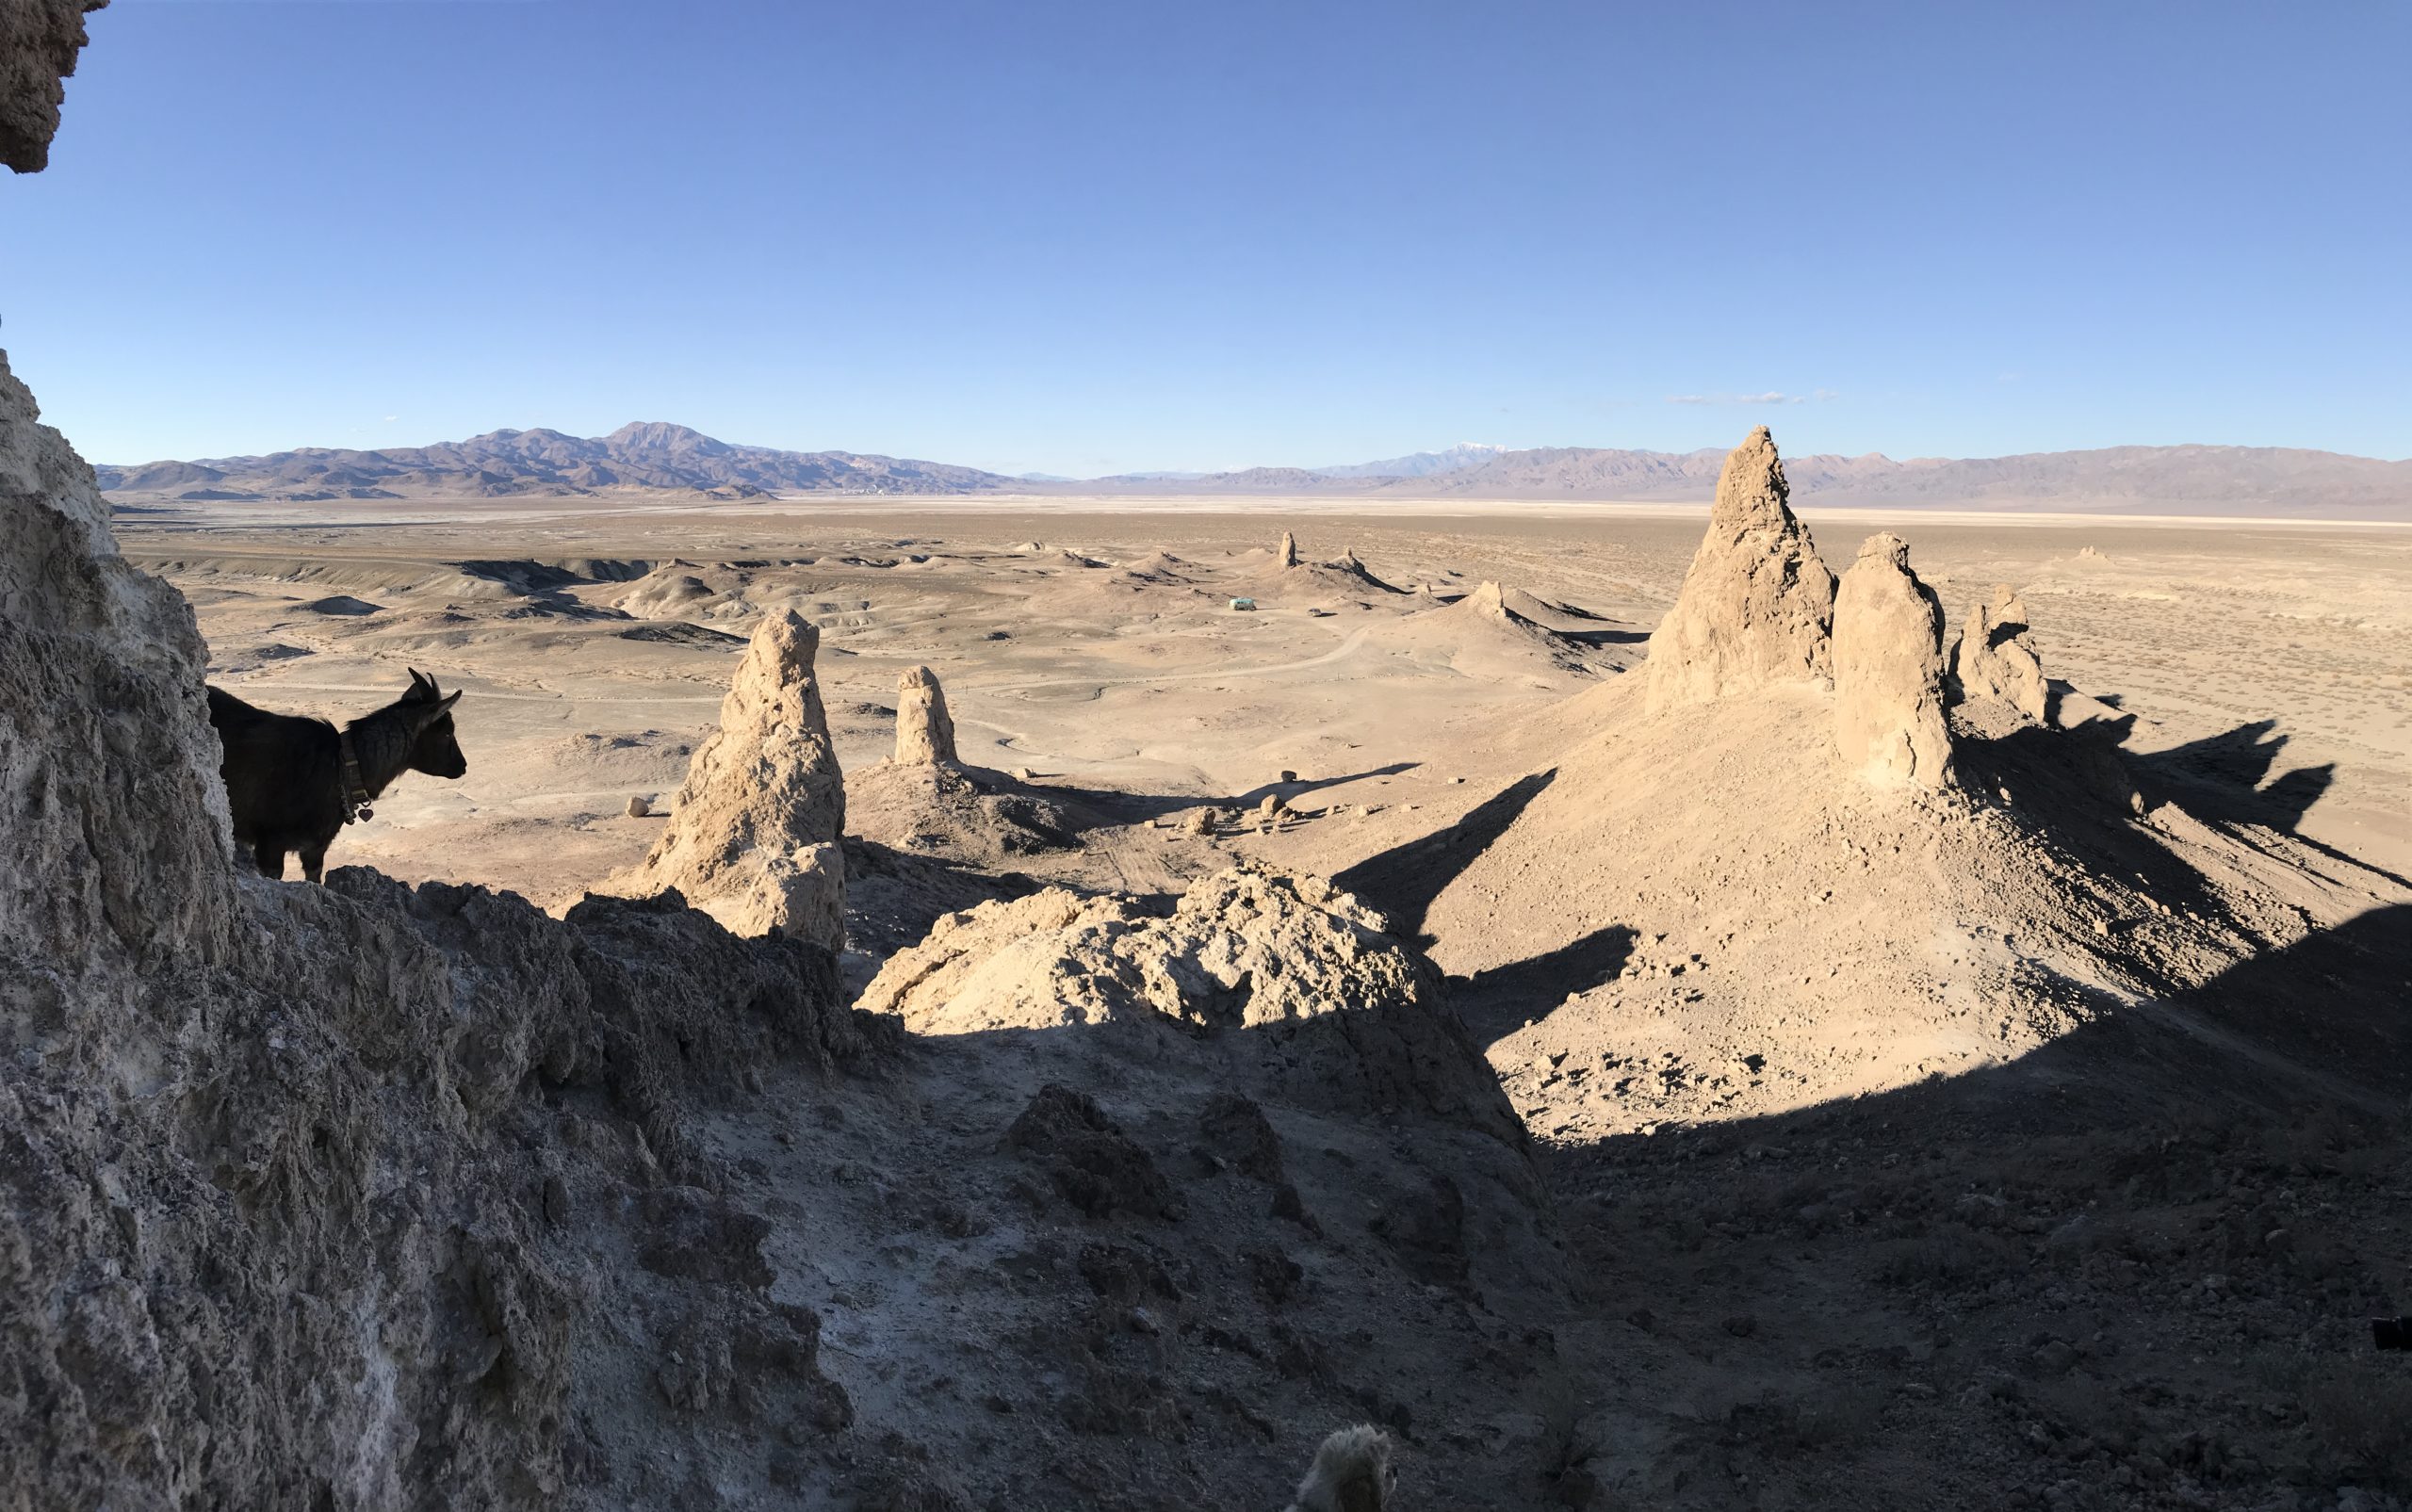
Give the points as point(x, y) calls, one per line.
point(1771, 396)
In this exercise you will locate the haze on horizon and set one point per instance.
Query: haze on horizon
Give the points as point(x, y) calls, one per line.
point(1081, 240)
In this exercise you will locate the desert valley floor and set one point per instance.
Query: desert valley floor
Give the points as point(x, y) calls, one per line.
point(1822, 1248)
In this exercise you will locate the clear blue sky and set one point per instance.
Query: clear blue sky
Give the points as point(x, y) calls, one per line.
point(1088, 237)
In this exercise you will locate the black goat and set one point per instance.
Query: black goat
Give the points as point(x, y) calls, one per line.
point(293, 784)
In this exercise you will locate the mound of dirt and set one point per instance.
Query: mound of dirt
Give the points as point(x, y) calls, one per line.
point(1159, 567)
point(343, 605)
point(965, 814)
point(1728, 920)
point(1481, 635)
point(666, 595)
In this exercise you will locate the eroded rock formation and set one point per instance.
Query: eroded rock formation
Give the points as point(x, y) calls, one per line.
point(111, 806)
point(38, 41)
point(1289, 553)
point(753, 835)
point(924, 730)
point(1343, 1010)
point(286, 1187)
point(1888, 670)
point(1756, 605)
point(1995, 659)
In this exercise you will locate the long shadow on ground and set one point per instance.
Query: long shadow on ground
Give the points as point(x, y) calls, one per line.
point(1403, 881)
point(1127, 807)
point(2129, 1269)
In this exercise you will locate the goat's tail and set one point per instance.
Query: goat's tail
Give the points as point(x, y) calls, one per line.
point(1351, 1473)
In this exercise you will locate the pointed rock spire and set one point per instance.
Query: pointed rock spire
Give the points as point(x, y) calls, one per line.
point(1758, 604)
point(753, 838)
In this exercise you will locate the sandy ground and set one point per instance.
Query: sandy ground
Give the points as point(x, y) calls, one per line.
point(2276, 656)
point(1834, 1251)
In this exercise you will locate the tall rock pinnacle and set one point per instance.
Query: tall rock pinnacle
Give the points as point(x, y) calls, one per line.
point(752, 840)
point(924, 730)
point(1758, 604)
point(1888, 671)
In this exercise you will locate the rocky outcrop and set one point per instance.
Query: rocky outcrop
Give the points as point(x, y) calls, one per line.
point(1888, 671)
point(110, 806)
point(1336, 1012)
point(753, 835)
point(1756, 605)
point(1288, 556)
point(1995, 659)
point(924, 730)
point(290, 1171)
point(1489, 601)
point(1351, 1472)
point(38, 41)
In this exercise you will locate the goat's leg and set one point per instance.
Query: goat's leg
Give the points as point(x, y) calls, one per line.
point(270, 861)
point(313, 862)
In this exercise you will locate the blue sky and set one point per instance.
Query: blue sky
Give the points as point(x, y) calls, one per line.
point(1083, 239)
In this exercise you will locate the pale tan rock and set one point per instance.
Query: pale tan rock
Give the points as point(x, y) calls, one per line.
point(924, 730)
point(752, 839)
point(1289, 549)
point(1995, 659)
point(1756, 605)
point(1339, 1011)
point(112, 795)
point(640, 807)
point(1888, 671)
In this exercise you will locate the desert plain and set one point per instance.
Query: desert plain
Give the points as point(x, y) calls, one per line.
point(1892, 1155)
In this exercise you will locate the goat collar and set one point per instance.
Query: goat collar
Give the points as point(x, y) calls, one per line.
point(355, 791)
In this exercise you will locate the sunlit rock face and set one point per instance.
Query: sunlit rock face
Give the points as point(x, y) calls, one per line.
point(753, 838)
point(1756, 604)
point(924, 729)
point(1888, 671)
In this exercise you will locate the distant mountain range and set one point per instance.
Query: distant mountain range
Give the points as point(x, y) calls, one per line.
point(1420, 464)
point(507, 463)
point(673, 458)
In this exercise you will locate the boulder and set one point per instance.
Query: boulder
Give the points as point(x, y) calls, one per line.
point(753, 834)
point(1756, 605)
point(924, 730)
point(1888, 671)
point(1994, 659)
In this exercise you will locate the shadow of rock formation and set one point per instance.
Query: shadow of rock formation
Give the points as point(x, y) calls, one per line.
point(2131, 1268)
point(1403, 881)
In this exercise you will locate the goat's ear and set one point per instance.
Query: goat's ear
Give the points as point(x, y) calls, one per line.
point(450, 699)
